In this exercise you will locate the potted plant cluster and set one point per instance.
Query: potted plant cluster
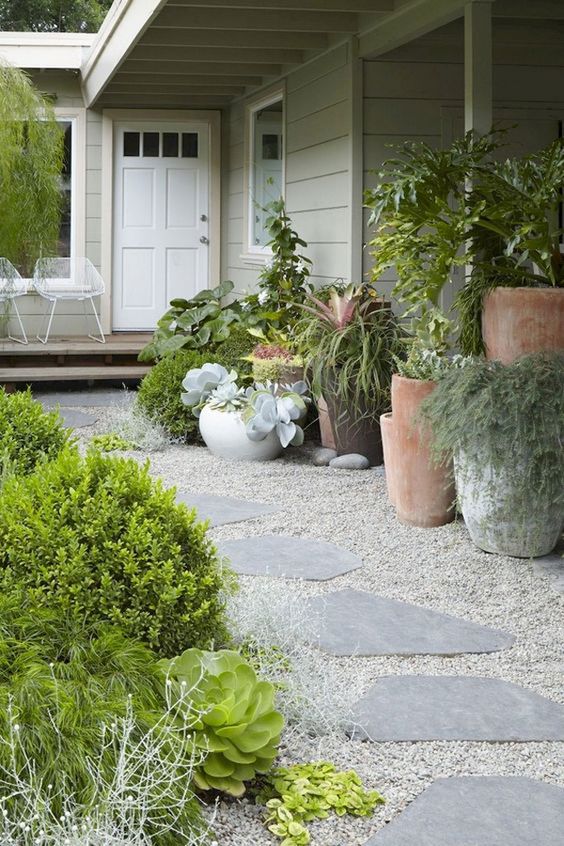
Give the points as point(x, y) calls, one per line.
point(348, 345)
point(504, 425)
point(245, 424)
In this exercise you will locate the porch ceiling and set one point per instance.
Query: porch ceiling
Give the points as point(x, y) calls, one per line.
point(205, 53)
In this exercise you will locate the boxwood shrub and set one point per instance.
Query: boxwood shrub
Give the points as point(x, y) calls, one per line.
point(28, 434)
point(159, 394)
point(99, 538)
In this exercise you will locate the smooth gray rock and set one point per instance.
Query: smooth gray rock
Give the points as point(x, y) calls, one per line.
point(354, 622)
point(323, 455)
point(553, 567)
point(220, 510)
point(73, 419)
point(288, 557)
point(76, 399)
point(351, 461)
point(455, 708)
point(479, 811)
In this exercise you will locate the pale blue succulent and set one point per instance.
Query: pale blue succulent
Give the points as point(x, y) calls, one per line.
point(267, 413)
point(200, 382)
point(227, 397)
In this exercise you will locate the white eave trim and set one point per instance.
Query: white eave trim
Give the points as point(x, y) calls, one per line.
point(45, 50)
point(123, 25)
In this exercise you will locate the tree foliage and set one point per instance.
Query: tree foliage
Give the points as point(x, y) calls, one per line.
point(52, 15)
point(31, 157)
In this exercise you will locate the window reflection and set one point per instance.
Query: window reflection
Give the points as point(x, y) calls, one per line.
point(266, 167)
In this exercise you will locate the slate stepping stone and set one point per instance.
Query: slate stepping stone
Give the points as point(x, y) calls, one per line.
point(73, 419)
point(354, 622)
point(413, 708)
point(220, 510)
point(75, 399)
point(289, 557)
point(480, 811)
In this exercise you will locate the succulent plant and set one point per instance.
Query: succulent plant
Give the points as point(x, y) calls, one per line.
point(267, 412)
point(227, 397)
point(200, 382)
point(236, 720)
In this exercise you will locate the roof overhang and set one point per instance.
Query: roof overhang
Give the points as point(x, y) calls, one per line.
point(45, 50)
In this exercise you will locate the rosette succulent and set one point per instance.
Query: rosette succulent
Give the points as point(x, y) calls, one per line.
point(236, 720)
point(267, 412)
point(201, 382)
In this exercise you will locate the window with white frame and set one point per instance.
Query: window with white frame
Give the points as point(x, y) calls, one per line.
point(65, 243)
point(265, 166)
point(72, 181)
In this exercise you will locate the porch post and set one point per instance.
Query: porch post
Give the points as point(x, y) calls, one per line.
point(478, 70)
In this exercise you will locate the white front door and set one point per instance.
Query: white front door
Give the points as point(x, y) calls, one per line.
point(161, 218)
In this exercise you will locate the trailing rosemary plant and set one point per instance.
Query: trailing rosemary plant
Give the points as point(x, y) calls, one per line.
point(506, 425)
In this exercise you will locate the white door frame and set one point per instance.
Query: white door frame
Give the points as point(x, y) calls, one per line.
point(109, 116)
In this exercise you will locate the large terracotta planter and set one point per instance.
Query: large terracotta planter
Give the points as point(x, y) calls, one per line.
point(422, 494)
point(519, 321)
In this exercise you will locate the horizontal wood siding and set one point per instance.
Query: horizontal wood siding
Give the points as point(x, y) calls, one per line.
point(318, 190)
point(417, 93)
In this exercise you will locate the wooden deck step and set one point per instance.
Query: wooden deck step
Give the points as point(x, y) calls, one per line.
point(29, 375)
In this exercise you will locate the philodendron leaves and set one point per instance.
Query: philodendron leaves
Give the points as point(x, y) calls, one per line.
point(237, 722)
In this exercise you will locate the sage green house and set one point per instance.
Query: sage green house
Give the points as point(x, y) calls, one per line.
point(183, 117)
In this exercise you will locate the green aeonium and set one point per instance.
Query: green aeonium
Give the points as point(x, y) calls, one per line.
point(238, 723)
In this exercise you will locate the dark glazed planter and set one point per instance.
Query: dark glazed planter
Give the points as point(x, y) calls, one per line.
point(520, 321)
point(351, 434)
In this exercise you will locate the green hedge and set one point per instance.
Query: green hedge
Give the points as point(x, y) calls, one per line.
point(28, 434)
point(159, 394)
point(97, 537)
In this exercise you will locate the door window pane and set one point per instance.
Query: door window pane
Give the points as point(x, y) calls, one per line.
point(131, 143)
point(150, 144)
point(170, 145)
point(189, 145)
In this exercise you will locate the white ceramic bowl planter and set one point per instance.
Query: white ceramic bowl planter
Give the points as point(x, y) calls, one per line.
point(224, 434)
point(489, 521)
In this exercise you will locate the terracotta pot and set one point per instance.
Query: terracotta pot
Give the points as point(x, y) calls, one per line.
point(327, 436)
point(422, 493)
point(390, 450)
point(519, 321)
point(354, 435)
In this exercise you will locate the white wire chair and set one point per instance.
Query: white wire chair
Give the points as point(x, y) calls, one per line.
point(68, 279)
point(11, 287)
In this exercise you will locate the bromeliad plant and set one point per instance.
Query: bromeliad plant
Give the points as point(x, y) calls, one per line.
point(237, 725)
point(264, 408)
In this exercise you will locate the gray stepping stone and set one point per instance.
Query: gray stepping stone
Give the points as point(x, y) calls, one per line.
point(289, 557)
point(75, 399)
point(73, 419)
point(220, 510)
point(480, 811)
point(354, 622)
point(414, 708)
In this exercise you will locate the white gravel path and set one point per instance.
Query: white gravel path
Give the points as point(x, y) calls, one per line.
point(437, 568)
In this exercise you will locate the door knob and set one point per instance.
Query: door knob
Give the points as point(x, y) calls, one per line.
point(203, 217)
point(204, 240)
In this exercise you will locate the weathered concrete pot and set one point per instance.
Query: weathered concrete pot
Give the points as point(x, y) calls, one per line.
point(327, 436)
point(520, 321)
point(488, 517)
point(422, 493)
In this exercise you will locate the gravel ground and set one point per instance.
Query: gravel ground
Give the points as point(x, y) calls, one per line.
point(437, 568)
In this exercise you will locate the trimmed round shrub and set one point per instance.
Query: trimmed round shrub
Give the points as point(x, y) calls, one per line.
point(231, 353)
point(66, 688)
point(99, 538)
point(159, 394)
point(28, 434)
